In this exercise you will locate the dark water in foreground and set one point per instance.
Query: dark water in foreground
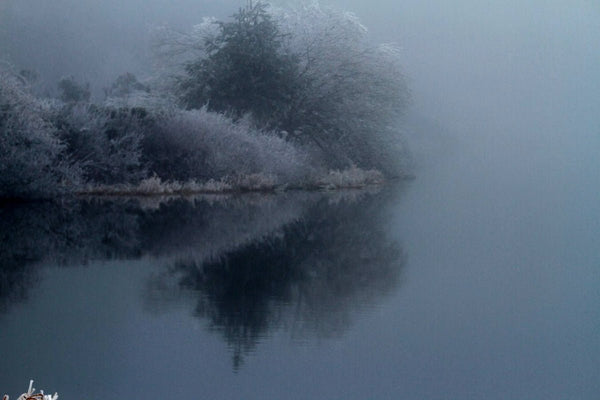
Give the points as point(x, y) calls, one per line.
point(464, 284)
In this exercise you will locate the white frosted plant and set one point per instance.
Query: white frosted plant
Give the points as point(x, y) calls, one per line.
point(104, 143)
point(32, 395)
point(31, 162)
point(353, 89)
point(209, 145)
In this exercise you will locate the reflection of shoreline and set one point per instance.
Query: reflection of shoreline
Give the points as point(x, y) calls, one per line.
point(309, 277)
point(74, 232)
point(305, 262)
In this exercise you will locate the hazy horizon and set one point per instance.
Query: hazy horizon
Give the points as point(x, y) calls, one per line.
point(511, 64)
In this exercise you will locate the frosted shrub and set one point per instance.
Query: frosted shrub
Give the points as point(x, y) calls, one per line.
point(73, 92)
point(125, 85)
point(32, 162)
point(155, 186)
point(127, 92)
point(353, 92)
point(202, 145)
point(105, 143)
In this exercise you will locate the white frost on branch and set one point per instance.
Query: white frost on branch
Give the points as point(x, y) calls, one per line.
point(32, 395)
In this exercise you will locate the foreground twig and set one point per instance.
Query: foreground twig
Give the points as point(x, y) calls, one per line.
point(31, 395)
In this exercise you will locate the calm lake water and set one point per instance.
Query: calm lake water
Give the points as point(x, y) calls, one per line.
point(478, 280)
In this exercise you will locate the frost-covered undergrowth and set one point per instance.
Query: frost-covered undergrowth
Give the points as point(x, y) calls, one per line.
point(346, 179)
point(204, 145)
point(352, 177)
point(31, 162)
point(32, 395)
point(48, 148)
point(199, 151)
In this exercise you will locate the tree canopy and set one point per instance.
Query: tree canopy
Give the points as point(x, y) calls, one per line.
point(308, 72)
point(246, 69)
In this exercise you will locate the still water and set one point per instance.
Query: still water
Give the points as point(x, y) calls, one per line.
point(471, 282)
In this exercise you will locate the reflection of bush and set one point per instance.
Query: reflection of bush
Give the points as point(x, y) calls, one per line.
point(75, 232)
point(68, 233)
point(72, 232)
point(14, 286)
point(23, 242)
point(208, 229)
point(300, 261)
point(309, 277)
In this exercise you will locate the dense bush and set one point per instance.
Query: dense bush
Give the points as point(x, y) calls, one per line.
point(200, 144)
point(245, 69)
point(33, 162)
point(73, 92)
point(104, 143)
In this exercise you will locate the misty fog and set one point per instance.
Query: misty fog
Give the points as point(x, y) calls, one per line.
point(512, 64)
point(499, 233)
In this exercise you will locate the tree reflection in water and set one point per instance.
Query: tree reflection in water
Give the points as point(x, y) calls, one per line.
point(253, 264)
point(308, 277)
point(74, 232)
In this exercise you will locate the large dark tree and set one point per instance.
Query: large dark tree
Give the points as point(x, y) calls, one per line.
point(245, 70)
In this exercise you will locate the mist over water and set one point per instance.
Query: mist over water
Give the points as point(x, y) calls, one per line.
point(497, 238)
point(93, 41)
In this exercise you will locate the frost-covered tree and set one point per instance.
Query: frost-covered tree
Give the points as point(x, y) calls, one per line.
point(352, 93)
point(32, 158)
point(73, 92)
point(104, 142)
point(309, 72)
point(244, 69)
point(125, 85)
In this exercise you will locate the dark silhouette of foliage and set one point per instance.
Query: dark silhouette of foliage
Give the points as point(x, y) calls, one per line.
point(246, 70)
point(125, 85)
point(322, 265)
point(73, 92)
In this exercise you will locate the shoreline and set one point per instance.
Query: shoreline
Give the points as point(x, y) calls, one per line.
point(155, 188)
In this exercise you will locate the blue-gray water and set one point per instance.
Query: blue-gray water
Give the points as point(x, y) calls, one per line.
point(478, 280)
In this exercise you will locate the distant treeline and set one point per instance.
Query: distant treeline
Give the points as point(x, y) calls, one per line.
point(268, 98)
